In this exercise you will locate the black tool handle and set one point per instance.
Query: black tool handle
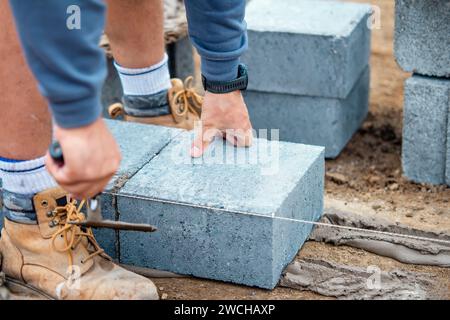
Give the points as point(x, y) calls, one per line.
point(56, 153)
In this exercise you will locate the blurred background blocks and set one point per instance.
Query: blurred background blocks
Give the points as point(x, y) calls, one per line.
point(314, 48)
point(422, 36)
point(447, 166)
point(422, 46)
point(426, 142)
point(315, 120)
point(306, 56)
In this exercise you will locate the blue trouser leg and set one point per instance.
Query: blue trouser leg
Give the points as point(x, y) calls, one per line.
point(219, 32)
point(70, 67)
point(68, 63)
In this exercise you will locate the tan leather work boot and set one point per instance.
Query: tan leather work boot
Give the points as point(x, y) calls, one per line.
point(63, 260)
point(185, 107)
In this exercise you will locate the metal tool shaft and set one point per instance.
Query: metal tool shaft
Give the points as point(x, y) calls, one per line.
point(94, 217)
point(116, 225)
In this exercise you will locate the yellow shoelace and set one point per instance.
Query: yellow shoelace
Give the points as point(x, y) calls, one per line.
point(72, 233)
point(184, 100)
point(187, 99)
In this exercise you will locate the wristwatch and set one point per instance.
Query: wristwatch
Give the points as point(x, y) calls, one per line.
point(240, 83)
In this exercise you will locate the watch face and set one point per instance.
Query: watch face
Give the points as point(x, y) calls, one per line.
point(243, 74)
point(242, 70)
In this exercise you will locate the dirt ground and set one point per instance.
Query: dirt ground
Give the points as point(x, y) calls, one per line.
point(371, 162)
point(367, 175)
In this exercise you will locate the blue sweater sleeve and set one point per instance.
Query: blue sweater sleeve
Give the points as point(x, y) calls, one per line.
point(67, 62)
point(218, 30)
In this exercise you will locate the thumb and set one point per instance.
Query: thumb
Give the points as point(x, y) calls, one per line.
point(203, 138)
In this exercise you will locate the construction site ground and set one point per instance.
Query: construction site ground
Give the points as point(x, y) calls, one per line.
point(366, 178)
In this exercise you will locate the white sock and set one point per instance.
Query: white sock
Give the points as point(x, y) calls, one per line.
point(25, 177)
point(145, 81)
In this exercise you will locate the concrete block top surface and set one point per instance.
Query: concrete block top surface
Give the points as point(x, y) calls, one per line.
point(256, 179)
point(139, 142)
point(324, 18)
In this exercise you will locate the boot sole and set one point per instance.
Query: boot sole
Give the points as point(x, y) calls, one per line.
point(21, 289)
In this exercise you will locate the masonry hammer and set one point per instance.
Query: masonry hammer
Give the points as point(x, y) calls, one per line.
point(94, 218)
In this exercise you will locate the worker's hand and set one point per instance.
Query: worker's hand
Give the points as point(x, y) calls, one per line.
point(223, 115)
point(91, 158)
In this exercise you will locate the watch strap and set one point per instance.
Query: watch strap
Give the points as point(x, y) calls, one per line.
point(240, 83)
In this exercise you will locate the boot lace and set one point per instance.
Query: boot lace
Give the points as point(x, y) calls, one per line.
point(187, 100)
point(184, 101)
point(71, 233)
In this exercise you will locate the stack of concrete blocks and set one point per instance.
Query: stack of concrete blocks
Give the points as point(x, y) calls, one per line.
point(308, 69)
point(234, 215)
point(422, 46)
point(181, 65)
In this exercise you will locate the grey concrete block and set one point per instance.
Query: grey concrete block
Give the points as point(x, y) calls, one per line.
point(226, 216)
point(425, 129)
point(138, 143)
point(422, 36)
point(326, 122)
point(447, 167)
point(314, 48)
